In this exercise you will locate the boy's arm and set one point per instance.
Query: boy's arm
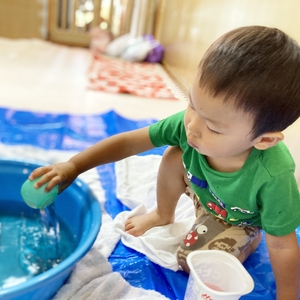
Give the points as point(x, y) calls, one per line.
point(113, 149)
point(284, 256)
point(108, 150)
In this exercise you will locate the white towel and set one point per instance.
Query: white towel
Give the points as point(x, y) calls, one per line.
point(136, 186)
point(93, 279)
point(108, 237)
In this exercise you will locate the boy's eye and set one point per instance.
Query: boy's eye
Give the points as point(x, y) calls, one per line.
point(213, 130)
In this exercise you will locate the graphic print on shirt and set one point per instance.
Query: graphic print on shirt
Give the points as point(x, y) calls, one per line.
point(242, 210)
point(220, 209)
point(217, 206)
point(202, 184)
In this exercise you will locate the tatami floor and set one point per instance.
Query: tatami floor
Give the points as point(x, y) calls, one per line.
point(45, 77)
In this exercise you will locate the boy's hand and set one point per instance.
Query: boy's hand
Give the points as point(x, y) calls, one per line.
point(62, 174)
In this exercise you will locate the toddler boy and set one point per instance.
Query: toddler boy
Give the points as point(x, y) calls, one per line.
point(226, 152)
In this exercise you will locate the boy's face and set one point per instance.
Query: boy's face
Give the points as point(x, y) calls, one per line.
point(217, 129)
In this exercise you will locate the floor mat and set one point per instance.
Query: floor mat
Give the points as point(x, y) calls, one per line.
point(141, 79)
point(70, 132)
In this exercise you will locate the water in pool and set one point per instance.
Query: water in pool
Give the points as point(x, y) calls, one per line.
point(31, 242)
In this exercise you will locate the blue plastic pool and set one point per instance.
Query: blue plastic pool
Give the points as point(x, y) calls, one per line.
point(80, 211)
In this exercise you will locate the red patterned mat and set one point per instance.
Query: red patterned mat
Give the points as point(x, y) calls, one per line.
point(117, 76)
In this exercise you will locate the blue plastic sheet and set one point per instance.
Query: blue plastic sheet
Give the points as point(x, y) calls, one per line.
point(76, 132)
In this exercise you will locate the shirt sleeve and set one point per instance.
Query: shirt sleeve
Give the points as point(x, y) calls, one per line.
point(167, 131)
point(280, 209)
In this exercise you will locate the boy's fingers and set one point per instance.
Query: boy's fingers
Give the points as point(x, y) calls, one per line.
point(52, 183)
point(48, 177)
point(38, 172)
point(51, 176)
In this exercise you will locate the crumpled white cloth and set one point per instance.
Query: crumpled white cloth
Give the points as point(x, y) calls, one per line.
point(136, 188)
point(93, 279)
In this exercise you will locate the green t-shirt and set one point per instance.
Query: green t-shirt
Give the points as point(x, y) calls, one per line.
point(262, 193)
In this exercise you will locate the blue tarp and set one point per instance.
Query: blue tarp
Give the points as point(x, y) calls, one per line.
point(76, 132)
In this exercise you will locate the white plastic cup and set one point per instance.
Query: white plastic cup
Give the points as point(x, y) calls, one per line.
point(216, 275)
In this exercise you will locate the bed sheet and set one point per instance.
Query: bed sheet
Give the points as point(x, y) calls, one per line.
point(76, 132)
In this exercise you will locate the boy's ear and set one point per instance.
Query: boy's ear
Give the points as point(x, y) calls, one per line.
point(268, 140)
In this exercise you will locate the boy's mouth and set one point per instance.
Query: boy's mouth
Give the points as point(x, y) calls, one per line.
point(192, 144)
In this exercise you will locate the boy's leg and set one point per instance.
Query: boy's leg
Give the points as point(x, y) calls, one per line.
point(210, 232)
point(250, 249)
point(171, 184)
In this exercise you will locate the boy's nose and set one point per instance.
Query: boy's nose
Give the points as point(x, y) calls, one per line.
point(194, 128)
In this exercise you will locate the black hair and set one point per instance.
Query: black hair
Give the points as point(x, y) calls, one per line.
point(259, 69)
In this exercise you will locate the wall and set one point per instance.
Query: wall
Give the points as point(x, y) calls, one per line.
point(23, 18)
point(187, 28)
